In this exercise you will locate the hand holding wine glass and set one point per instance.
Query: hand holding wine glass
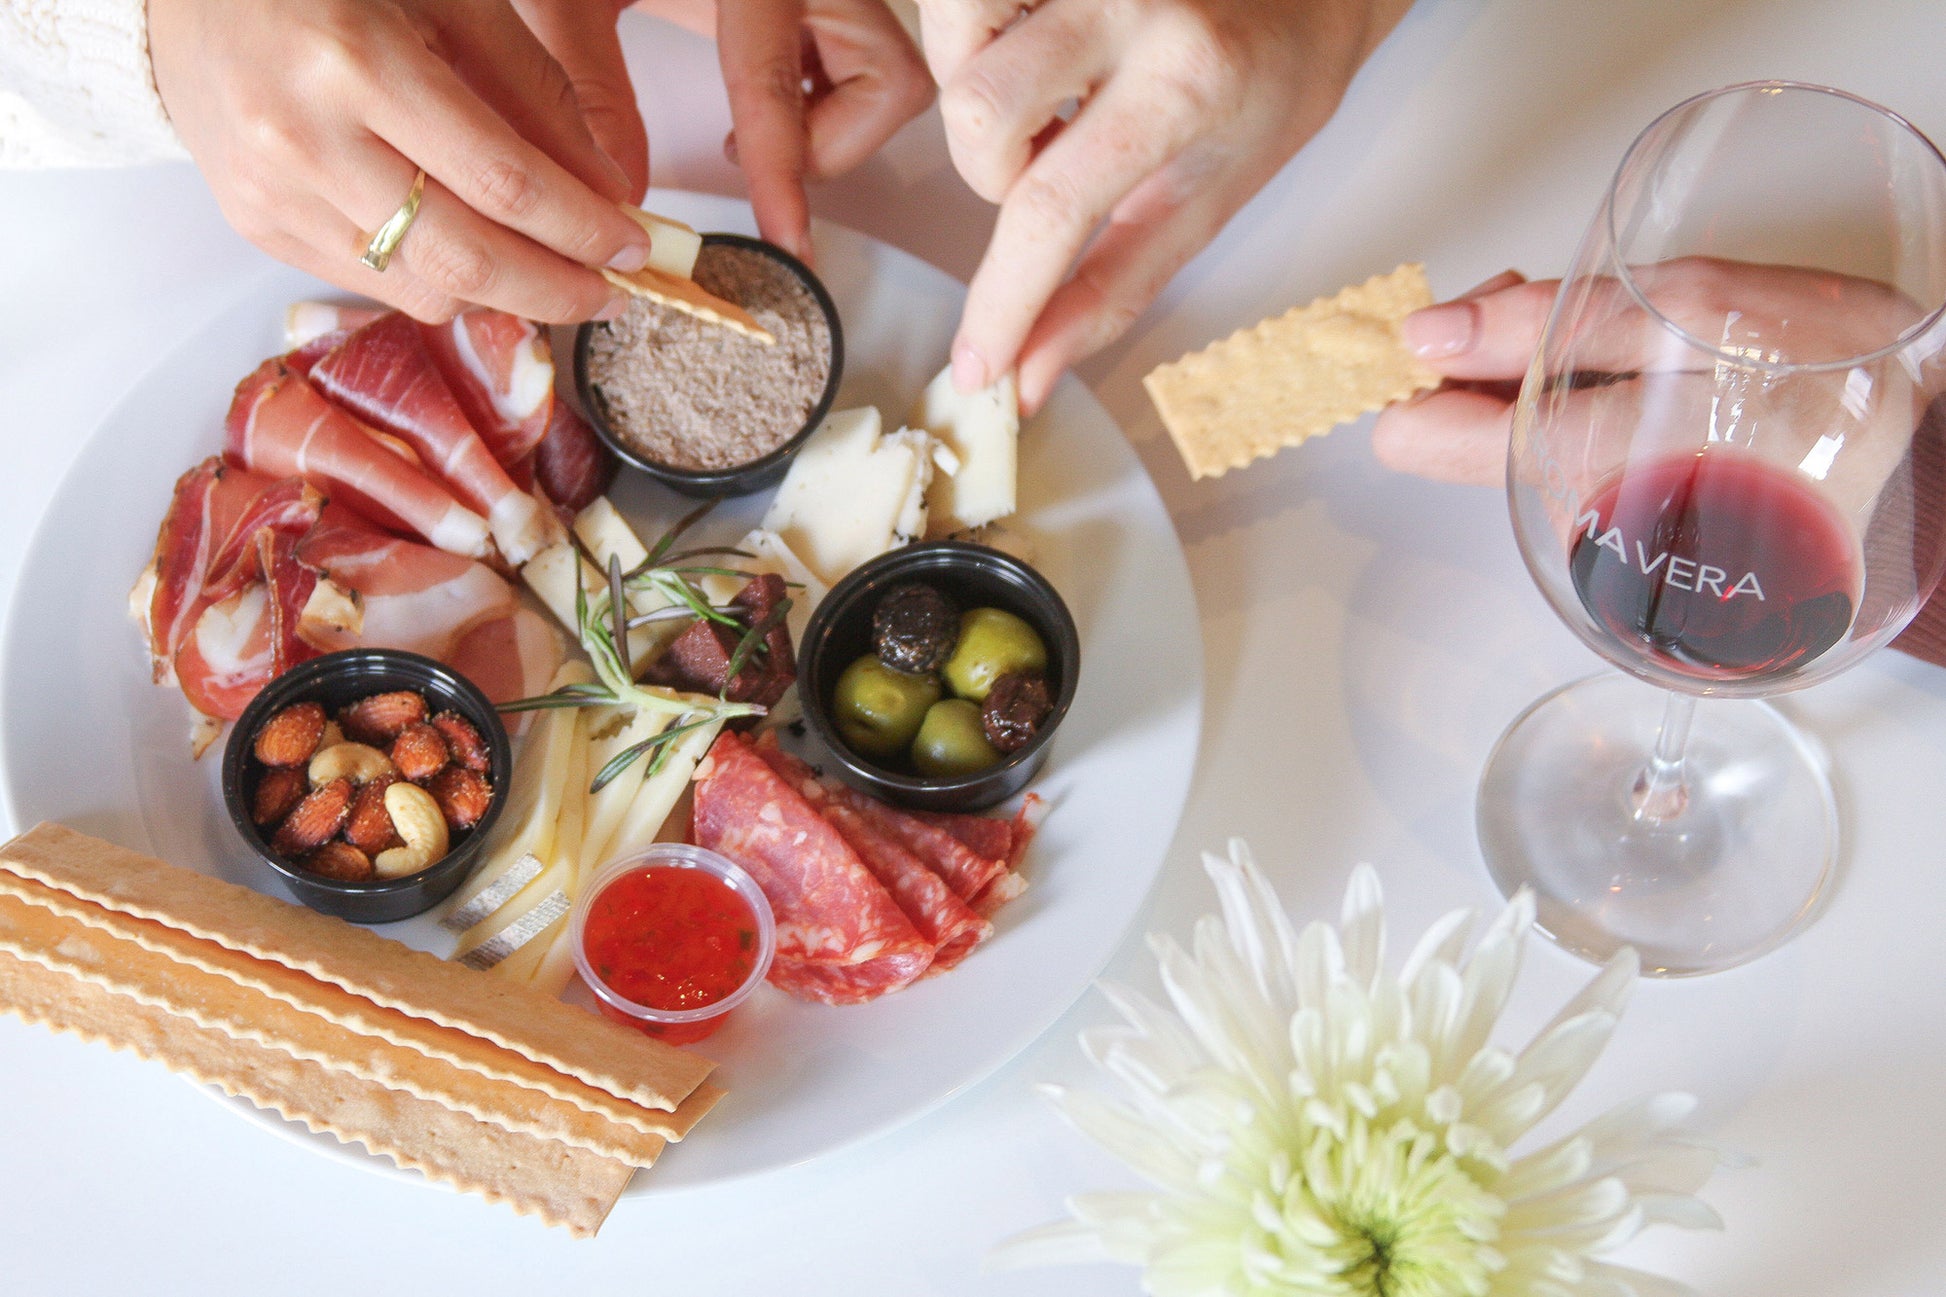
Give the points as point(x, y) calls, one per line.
point(1725, 475)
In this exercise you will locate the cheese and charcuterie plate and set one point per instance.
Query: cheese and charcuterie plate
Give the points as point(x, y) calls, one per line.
point(90, 741)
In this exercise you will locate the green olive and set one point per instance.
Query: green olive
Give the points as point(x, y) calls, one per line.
point(950, 741)
point(992, 642)
point(878, 710)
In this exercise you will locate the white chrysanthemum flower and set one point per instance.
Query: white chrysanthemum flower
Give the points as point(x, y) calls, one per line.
point(1315, 1125)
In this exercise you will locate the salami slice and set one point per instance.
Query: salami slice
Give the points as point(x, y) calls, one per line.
point(939, 915)
point(990, 838)
point(830, 910)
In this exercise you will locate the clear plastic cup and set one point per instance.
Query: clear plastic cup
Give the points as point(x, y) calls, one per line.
point(677, 1026)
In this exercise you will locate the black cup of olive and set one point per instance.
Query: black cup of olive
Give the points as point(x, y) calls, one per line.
point(936, 675)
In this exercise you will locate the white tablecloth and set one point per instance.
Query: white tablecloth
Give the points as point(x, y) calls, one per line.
point(1366, 638)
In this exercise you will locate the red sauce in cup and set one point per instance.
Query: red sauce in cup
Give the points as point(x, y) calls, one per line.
point(669, 940)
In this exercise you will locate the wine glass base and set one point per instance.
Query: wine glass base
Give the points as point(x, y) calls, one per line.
point(1732, 876)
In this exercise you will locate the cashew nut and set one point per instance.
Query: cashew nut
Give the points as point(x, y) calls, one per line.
point(332, 735)
point(415, 815)
point(357, 762)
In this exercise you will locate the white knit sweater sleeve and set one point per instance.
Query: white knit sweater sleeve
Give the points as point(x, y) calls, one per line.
point(75, 85)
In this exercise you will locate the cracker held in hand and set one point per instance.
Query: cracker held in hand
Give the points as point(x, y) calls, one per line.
point(1290, 378)
point(669, 282)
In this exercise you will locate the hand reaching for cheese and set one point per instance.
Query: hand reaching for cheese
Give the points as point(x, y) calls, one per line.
point(1118, 138)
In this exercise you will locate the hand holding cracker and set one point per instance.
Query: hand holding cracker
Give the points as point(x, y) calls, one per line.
point(1293, 377)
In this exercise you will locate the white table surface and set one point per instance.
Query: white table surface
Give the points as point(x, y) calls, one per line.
point(1366, 638)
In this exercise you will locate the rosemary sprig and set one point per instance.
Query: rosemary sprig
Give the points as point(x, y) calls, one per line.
point(602, 625)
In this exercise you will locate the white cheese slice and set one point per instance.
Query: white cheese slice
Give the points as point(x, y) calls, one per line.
point(981, 431)
point(853, 492)
point(672, 245)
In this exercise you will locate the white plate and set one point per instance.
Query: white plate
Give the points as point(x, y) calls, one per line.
point(91, 742)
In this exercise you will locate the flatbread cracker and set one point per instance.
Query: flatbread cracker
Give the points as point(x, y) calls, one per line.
point(691, 298)
point(68, 945)
point(1293, 377)
point(606, 1055)
point(562, 1185)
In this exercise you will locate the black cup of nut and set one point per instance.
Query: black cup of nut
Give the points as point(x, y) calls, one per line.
point(936, 674)
point(368, 780)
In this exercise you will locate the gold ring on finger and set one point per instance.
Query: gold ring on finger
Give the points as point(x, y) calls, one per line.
point(378, 252)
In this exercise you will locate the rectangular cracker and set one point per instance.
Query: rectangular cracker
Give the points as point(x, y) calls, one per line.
point(288, 990)
point(691, 298)
point(563, 1186)
point(1292, 377)
point(67, 945)
point(605, 1054)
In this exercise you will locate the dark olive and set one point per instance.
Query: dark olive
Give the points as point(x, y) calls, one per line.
point(1014, 708)
point(914, 628)
point(950, 741)
point(992, 642)
point(878, 710)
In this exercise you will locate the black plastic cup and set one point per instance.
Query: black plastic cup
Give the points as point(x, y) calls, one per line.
point(740, 479)
point(337, 680)
point(972, 576)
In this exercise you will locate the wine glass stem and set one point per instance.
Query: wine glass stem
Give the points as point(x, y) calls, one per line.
point(1660, 794)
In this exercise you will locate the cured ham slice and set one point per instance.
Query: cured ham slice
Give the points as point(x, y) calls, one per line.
point(206, 549)
point(501, 371)
point(840, 937)
point(386, 375)
point(280, 425)
point(306, 322)
point(946, 921)
point(427, 601)
point(243, 640)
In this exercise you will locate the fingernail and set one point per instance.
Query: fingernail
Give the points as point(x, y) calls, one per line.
point(969, 368)
point(1444, 330)
point(631, 258)
point(616, 308)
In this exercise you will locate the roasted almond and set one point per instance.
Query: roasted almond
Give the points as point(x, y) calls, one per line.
point(369, 826)
point(420, 752)
point(462, 795)
point(380, 718)
point(290, 736)
point(315, 820)
point(340, 860)
point(468, 748)
point(281, 789)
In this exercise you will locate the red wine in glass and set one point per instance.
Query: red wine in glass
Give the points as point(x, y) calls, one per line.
point(1716, 565)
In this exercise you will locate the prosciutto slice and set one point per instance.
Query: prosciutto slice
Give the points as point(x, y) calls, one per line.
point(280, 425)
point(260, 629)
point(386, 375)
point(501, 371)
point(424, 600)
point(841, 938)
point(207, 548)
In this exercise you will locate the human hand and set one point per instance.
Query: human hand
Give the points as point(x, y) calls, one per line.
point(1484, 341)
point(308, 118)
point(815, 87)
point(1185, 109)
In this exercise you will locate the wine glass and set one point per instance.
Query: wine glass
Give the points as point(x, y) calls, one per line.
point(1728, 476)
